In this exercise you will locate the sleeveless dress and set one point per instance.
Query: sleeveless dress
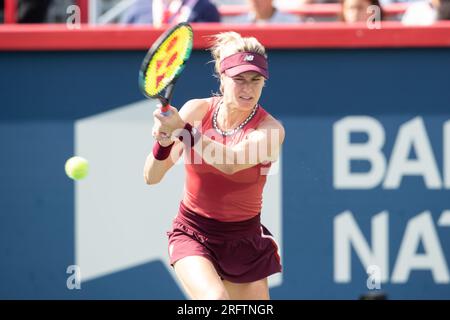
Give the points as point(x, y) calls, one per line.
point(219, 216)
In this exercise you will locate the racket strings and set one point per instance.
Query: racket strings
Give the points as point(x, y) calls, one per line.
point(168, 60)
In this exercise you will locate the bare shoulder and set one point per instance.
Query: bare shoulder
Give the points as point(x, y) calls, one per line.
point(270, 123)
point(195, 109)
point(270, 126)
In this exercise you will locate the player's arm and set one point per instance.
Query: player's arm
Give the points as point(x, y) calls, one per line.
point(261, 145)
point(154, 170)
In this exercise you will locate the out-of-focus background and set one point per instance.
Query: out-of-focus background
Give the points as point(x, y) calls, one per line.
point(359, 201)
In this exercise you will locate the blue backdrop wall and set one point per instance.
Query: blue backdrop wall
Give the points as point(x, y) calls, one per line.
point(399, 94)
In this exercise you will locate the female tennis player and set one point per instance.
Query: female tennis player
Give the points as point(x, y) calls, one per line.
point(217, 245)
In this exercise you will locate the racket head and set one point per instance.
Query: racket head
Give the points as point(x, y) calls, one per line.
point(165, 61)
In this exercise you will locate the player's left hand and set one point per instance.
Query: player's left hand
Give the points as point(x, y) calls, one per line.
point(170, 122)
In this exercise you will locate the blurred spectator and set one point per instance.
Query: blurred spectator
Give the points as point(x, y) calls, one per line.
point(29, 11)
point(385, 2)
point(311, 17)
point(171, 11)
point(264, 11)
point(421, 13)
point(444, 10)
point(2, 5)
point(302, 2)
point(358, 10)
point(382, 2)
point(33, 11)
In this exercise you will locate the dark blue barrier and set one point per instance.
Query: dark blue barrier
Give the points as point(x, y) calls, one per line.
point(403, 92)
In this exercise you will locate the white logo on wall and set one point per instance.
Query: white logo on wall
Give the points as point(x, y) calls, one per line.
point(120, 221)
point(420, 229)
point(388, 175)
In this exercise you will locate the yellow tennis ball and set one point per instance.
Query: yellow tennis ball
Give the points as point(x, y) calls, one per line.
point(77, 168)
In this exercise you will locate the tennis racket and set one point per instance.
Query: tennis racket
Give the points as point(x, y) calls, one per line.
point(164, 63)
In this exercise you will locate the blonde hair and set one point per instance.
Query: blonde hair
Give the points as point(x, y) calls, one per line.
point(227, 43)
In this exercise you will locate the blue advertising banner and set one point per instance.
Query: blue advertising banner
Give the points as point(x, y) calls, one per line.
point(359, 201)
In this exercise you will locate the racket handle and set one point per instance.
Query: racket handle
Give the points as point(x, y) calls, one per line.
point(165, 111)
point(165, 100)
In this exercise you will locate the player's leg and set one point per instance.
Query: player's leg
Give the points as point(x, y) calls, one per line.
point(257, 290)
point(200, 279)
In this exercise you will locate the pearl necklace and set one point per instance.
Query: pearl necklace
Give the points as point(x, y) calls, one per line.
point(230, 132)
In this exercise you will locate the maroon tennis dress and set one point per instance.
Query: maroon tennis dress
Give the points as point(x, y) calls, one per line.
point(219, 216)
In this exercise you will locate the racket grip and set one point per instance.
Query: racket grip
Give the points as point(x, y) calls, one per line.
point(165, 111)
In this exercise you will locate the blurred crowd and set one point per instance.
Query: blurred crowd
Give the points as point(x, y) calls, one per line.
point(159, 12)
